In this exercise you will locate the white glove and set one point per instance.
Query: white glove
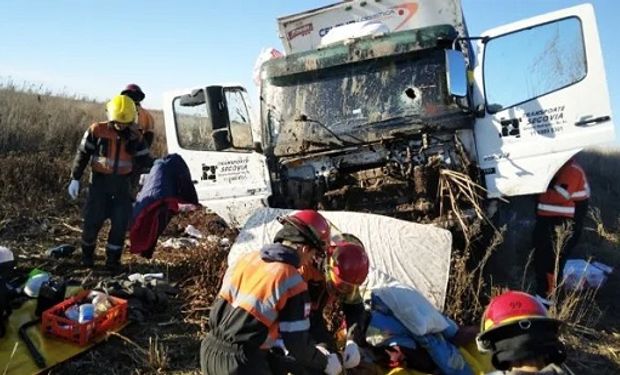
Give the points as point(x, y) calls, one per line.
point(351, 355)
point(333, 362)
point(333, 365)
point(74, 189)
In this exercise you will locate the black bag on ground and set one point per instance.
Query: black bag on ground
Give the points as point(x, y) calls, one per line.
point(51, 293)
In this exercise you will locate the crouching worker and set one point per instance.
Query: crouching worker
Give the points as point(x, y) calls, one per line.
point(334, 276)
point(337, 278)
point(520, 336)
point(263, 297)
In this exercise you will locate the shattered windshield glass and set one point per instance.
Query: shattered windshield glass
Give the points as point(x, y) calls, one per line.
point(350, 101)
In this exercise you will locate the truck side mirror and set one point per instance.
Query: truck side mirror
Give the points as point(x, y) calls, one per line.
point(258, 147)
point(456, 73)
point(221, 139)
point(197, 97)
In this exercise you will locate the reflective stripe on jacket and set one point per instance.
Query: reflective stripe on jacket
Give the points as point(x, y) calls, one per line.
point(263, 293)
point(112, 151)
point(582, 191)
point(569, 185)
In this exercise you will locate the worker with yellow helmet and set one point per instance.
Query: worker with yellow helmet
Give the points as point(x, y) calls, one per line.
point(112, 148)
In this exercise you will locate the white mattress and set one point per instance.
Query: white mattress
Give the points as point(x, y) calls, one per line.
point(412, 254)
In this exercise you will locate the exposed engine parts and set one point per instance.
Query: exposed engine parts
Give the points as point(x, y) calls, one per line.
point(394, 177)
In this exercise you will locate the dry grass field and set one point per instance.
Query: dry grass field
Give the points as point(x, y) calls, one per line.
point(39, 134)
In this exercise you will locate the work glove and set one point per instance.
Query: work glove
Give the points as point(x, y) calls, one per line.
point(333, 366)
point(351, 355)
point(74, 189)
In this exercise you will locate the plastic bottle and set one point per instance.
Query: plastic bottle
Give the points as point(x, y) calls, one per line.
point(87, 313)
point(72, 313)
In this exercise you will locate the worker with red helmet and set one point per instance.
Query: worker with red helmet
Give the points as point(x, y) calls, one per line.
point(338, 277)
point(336, 274)
point(145, 124)
point(263, 297)
point(520, 336)
point(145, 120)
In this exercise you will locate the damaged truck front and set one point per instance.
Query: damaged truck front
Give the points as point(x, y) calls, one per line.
point(402, 123)
point(363, 126)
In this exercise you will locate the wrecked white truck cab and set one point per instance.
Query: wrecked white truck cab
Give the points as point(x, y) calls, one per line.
point(372, 124)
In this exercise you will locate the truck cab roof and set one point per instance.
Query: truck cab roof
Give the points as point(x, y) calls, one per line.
point(361, 49)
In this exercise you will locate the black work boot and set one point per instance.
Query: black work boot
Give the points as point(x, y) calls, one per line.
point(113, 261)
point(88, 256)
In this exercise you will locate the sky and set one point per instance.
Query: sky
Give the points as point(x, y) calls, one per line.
point(94, 48)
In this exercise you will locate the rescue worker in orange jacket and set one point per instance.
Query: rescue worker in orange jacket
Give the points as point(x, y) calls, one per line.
point(145, 120)
point(564, 203)
point(112, 148)
point(263, 297)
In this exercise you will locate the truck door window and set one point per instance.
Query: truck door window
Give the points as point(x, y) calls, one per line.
point(239, 117)
point(192, 121)
point(530, 63)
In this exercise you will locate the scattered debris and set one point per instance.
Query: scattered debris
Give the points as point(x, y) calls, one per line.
point(225, 243)
point(580, 273)
point(61, 251)
point(213, 238)
point(192, 231)
point(146, 277)
point(178, 243)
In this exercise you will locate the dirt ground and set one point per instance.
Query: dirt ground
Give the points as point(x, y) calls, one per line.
point(168, 340)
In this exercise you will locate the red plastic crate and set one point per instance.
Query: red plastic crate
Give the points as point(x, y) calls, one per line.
point(54, 323)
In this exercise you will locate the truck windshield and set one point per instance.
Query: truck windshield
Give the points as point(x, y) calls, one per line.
point(347, 99)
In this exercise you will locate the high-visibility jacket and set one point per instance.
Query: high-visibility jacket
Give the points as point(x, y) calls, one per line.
point(146, 125)
point(110, 151)
point(263, 293)
point(568, 186)
point(583, 188)
point(145, 122)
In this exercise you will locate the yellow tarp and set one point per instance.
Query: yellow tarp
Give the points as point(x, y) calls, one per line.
point(54, 351)
point(479, 363)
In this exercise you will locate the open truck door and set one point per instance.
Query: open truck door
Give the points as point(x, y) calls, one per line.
point(211, 129)
point(541, 96)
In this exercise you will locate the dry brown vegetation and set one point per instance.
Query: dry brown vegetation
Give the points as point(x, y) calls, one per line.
point(38, 137)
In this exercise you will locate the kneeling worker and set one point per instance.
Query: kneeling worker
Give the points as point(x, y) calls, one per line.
point(520, 336)
point(263, 297)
